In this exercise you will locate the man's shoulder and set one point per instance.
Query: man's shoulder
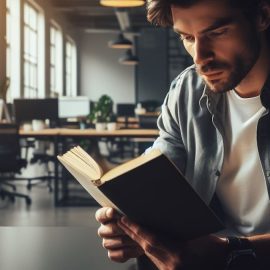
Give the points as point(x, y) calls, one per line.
point(188, 84)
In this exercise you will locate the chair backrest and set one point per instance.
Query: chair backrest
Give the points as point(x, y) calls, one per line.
point(9, 147)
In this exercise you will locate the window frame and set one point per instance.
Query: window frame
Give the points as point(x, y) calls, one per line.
point(33, 53)
point(56, 60)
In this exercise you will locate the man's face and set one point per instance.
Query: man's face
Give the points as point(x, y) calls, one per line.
point(224, 45)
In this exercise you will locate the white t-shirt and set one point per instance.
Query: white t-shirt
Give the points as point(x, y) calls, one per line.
point(242, 188)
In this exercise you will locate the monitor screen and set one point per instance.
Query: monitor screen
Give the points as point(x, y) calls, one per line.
point(125, 109)
point(41, 109)
point(72, 107)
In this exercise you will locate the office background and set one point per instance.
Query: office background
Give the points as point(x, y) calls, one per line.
point(57, 49)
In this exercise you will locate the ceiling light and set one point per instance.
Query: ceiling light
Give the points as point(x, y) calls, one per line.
point(120, 43)
point(122, 3)
point(129, 59)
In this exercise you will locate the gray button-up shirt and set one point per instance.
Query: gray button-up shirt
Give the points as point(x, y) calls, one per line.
point(193, 132)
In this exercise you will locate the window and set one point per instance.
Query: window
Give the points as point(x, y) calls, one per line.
point(56, 61)
point(34, 43)
point(13, 48)
point(8, 23)
point(71, 69)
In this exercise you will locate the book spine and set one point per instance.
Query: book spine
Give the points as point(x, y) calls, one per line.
point(97, 183)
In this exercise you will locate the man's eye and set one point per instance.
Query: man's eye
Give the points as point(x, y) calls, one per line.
point(186, 38)
point(219, 32)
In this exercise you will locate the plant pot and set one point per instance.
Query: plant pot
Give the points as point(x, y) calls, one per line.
point(100, 126)
point(112, 126)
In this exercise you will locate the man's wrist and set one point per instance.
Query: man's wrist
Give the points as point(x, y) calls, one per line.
point(240, 254)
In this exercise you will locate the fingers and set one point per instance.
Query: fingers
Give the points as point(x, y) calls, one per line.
point(121, 248)
point(124, 254)
point(146, 240)
point(135, 232)
point(118, 243)
point(106, 214)
point(109, 230)
point(163, 256)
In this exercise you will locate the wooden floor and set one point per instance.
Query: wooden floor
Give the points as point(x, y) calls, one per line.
point(42, 237)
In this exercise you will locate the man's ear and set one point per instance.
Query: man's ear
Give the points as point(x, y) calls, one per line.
point(263, 19)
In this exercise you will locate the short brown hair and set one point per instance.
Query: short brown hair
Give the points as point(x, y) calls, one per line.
point(159, 11)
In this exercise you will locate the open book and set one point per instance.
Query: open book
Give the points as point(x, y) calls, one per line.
point(149, 189)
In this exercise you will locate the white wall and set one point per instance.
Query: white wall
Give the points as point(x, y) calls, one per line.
point(100, 72)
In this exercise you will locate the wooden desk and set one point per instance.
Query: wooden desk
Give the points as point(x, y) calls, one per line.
point(142, 133)
point(50, 132)
point(64, 132)
point(59, 135)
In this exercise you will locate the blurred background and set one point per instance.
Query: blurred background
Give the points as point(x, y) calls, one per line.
point(73, 72)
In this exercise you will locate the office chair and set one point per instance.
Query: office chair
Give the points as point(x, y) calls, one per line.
point(40, 156)
point(11, 162)
point(26, 110)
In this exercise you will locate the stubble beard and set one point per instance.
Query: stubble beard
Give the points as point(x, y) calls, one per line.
point(237, 71)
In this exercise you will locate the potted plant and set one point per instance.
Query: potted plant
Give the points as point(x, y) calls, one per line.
point(112, 122)
point(101, 111)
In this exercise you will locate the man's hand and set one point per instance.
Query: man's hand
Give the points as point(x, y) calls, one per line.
point(119, 245)
point(208, 252)
point(125, 239)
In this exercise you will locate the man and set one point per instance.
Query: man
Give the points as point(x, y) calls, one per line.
point(215, 126)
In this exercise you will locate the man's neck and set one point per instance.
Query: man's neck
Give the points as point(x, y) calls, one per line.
point(252, 84)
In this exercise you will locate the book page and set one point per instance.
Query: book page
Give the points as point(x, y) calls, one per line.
point(88, 159)
point(80, 164)
point(130, 165)
point(82, 177)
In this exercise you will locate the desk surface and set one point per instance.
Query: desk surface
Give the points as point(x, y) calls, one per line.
point(92, 132)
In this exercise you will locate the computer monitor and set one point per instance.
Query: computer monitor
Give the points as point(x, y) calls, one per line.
point(41, 109)
point(125, 109)
point(73, 107)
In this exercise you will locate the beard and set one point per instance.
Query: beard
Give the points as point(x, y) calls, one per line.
point(237, 70)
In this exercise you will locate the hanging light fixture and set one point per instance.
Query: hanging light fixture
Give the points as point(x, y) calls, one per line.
point(122, 3)
point(129, 59)
point(120, 43)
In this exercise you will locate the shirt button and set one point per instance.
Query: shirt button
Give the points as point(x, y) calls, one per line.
point(218, 173)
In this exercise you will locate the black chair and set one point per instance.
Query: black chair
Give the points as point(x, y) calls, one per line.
point(11, 161)
point(40, 156)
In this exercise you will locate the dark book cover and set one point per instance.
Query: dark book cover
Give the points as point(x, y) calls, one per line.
point(157, 196)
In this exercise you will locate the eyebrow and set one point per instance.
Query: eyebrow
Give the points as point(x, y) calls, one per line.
point(217, 24)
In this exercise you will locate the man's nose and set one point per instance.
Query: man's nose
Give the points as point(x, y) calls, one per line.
point(203, 52)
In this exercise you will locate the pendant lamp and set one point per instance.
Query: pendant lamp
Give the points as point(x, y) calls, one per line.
point(129, 59)
point(120, 43)
point(122, 3)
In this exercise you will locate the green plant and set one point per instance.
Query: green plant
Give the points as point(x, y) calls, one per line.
point(102, 110)
point(112, 117)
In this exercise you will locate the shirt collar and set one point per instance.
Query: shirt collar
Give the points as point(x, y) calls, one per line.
point(210, 98)
point(214, 98)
